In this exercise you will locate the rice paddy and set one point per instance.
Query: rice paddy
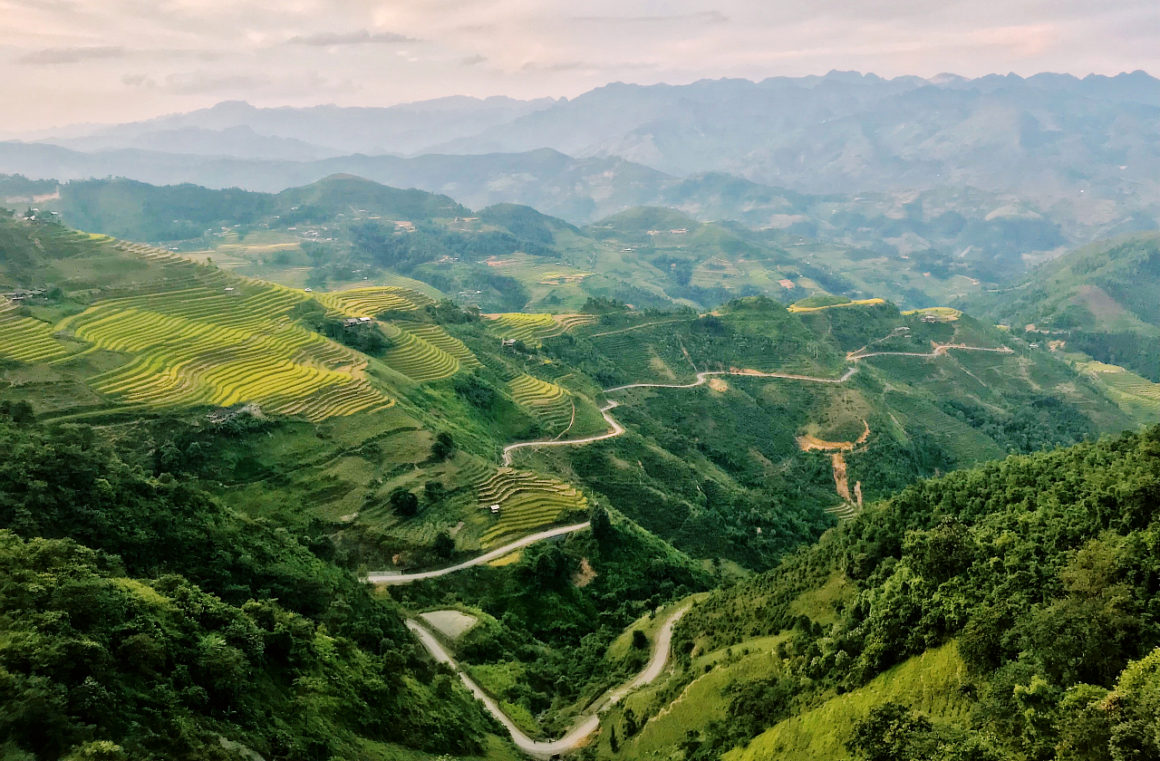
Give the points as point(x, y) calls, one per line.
point(527, 501)
point(1125, 386)
point(222, 346)
point(417, 358)
point(856, 303)
point(25, 339)
point(373, 301)
point(441, 339)
point(551, 405)
point(532, 328)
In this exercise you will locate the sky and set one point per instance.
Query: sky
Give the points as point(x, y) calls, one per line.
point(100, 61)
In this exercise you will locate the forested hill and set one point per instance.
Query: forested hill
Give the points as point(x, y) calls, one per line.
point(1011, 611)
point(142, 620)
point(1100, 300)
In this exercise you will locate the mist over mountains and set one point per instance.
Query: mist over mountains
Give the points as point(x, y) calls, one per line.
point(1046, 137)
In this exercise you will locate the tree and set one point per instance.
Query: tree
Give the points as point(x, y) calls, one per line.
point(601, 525)
point(892, 733)
point(443, 447)
point(404, 502)
point(434, 492)
point(639, 640)
point(444, 545)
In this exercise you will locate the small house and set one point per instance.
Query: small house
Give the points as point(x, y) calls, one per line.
point(495, 509)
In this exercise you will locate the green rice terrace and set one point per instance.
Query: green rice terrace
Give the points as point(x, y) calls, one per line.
point(551, 405)
point(373, 301)
point(526, 502)
point(531, 328)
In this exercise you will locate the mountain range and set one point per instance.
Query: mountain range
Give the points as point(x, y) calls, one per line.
point(1048, 138)
point(808, 419)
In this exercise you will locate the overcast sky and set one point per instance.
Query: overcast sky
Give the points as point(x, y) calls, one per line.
point(68, 61)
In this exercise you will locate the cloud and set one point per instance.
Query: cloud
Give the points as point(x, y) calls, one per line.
point(558, 66)
point(703, 17)
point(360, 37)
point(473, 60)
point(195, 83)
point(53, 56)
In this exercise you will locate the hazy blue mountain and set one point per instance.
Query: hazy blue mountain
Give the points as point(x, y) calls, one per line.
point(320, 130)
point(238, 141)
point(1047, 137)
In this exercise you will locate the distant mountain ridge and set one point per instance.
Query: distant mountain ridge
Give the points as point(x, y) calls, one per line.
point(316, 131)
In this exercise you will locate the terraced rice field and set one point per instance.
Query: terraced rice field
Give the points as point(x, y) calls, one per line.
point(420, 359)
point(25, 339)
point(947, 314)
point(369, 302)
point(527, 502)
point(437, 336)
point(531, 328)
point(523, 327)
point(548, 403)
point(572, 321)
point(1139, 390)
point(856, 303)
point(212, 346)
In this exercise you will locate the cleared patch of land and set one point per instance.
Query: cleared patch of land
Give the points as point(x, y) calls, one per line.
point(452, 624)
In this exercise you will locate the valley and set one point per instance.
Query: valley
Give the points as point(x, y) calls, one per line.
point(554, 477)
point(823, 428)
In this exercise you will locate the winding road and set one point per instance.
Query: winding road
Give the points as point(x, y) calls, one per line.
point(939, 351)
point(390, 577)
point(703, 378)
point(587, 723)
point(616, 429)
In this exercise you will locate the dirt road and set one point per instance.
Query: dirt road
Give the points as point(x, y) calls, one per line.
point(587, 724)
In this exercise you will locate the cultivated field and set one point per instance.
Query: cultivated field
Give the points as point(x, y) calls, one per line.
point(25, 339)
point(527, 501)
point(416, 357)
point(220, 346)
point(532, 328)
point(551, 405)
point(372, 301)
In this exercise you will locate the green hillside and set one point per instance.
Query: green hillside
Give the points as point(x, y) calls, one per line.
point(996, 613)
point(344, 229)
point(374, 428)
point(1106, 287)
point(1098, 300)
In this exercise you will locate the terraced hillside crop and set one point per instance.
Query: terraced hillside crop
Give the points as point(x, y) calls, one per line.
point(372, 301)
point(808, 305)
point(222, 346)
point(25, 339)
point(551, 405)
point(437, 336)
point(527, 501)
point(572, 321)
point(523, 327)
point(417, 358)
point(532, 328)
point(1126, 387)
